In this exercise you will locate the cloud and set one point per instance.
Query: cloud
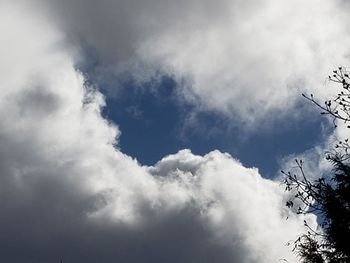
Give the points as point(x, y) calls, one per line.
point(247, 59)
point(68, 193)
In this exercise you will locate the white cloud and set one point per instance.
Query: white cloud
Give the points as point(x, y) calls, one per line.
point(67, 192)
point(246, 59)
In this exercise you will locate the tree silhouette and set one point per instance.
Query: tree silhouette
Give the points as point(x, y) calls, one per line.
point(328, 196)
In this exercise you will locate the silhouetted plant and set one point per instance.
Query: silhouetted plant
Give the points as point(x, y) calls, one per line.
point(328, 197)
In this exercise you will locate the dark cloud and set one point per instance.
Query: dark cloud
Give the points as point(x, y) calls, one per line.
point(55, 229)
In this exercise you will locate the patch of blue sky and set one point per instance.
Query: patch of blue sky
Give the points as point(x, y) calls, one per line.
point(153, 125)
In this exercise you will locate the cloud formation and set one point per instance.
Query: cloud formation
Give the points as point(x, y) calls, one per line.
point(68, 193)
point(247, 59)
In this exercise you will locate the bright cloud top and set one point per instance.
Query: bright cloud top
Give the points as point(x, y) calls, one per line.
point(67, 192)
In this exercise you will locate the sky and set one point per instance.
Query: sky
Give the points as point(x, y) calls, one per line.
point(138, 112)
point(154, 131)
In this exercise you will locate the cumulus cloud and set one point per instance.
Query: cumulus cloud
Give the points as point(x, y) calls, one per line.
point(246, 59)
point(68, 193)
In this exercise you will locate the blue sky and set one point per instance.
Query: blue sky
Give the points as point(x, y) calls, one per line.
point(153, 124)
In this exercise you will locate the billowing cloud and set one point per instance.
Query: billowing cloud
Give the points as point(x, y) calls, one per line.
point(247, 59)
point(68, 193)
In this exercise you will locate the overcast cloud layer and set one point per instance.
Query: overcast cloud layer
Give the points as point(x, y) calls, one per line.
point(68, 193)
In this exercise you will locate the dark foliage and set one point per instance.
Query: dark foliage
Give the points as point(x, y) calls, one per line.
point(329, 196)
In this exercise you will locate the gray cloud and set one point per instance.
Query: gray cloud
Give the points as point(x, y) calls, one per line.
point(247, 59)
point(68, 193)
